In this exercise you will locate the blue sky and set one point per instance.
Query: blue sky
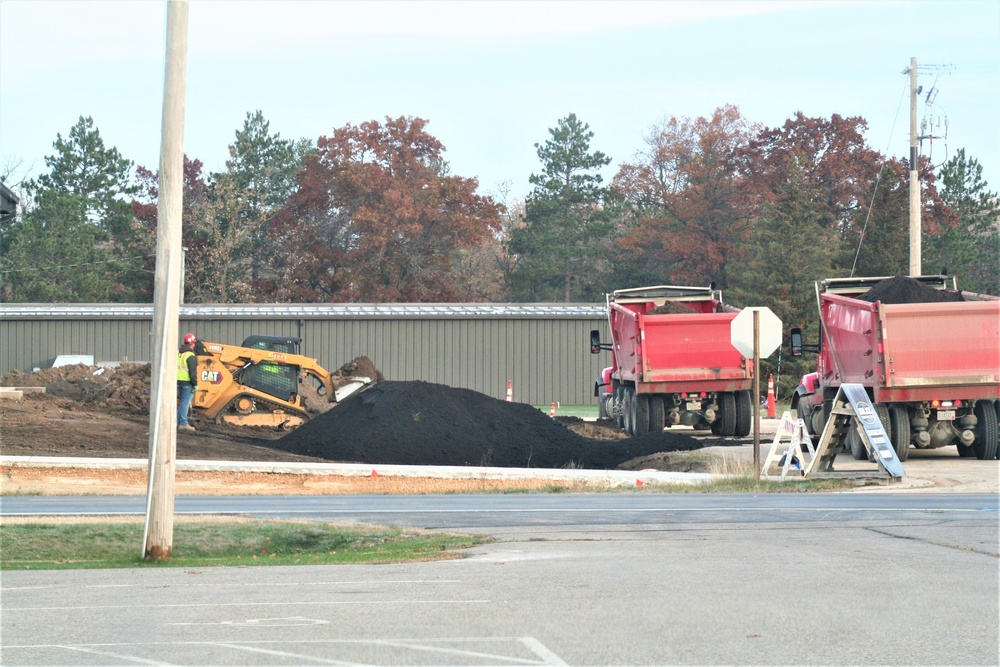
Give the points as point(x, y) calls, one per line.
point(493, 77)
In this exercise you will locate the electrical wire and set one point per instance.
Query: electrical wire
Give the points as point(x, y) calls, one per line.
point(878, 179)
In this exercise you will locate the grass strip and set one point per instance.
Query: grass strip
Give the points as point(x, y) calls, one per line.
point(54, 546)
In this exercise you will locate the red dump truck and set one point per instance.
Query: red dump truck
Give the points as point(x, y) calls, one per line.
point(927, 354)
point(673, 362)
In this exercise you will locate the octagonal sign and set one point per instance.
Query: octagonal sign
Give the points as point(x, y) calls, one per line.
point(741, 332)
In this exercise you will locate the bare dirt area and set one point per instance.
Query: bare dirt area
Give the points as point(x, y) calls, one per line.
point(83, 414)
point(89, 412)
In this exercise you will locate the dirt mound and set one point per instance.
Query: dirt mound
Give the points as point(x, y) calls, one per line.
point(421, 423)
point(901, 289)
point(671, 308)
point(359, 367)
point(316, 403)
point(124, 388)
point(602, 429)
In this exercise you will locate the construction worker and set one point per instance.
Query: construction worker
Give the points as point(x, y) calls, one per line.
point(187, 380)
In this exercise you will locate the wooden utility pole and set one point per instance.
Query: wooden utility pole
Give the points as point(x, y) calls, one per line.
point(756, 390)
point(159, 533)
point(914, 175)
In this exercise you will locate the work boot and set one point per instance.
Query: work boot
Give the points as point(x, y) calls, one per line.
point(188, 428)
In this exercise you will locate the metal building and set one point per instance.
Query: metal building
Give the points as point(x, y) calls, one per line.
point(543, 349)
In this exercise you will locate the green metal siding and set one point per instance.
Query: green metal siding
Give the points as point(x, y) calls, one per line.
point(547, 359)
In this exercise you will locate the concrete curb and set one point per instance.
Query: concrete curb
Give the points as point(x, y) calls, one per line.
point(607, 477)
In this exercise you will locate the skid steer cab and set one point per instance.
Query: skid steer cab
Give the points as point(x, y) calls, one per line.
point(259, 383)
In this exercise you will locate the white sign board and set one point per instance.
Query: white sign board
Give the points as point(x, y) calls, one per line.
point(741, 332)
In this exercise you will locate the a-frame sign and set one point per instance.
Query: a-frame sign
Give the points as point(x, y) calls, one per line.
point(852, 408)
point(794, 455)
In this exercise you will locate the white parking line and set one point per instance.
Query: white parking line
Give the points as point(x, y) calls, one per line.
point(285, 654)
point(469, 648)
point(120, 656)
point(284, 603)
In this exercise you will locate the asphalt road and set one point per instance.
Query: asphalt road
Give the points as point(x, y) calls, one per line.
point(598, 579)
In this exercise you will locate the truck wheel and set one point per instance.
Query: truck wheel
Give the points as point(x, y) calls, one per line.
point(882, 410)
point(640, 410)
point(996, 405)
point(985, 443)
point(628, 417)
point(744, 414)
point(965, 452)
point(604, 403)
point(899, 421)
point(725, 421)
point(657, 414)
point(619, 406)
point(858, 450)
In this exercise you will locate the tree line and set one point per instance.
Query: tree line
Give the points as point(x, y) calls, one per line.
point(372, 213)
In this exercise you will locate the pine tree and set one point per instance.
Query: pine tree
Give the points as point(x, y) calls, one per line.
point(970, 248)
point(79, 216)
point(56, 255)
point(563, 245)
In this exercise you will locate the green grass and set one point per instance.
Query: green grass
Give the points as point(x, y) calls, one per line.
point(51, 546)
point(581, 411)
point(752, 485)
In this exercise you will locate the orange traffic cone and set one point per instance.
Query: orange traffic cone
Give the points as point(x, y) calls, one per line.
point(552, 410)
point(510, 390)
point(770, 397)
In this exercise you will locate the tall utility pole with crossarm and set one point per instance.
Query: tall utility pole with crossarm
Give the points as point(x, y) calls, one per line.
point(914, 175)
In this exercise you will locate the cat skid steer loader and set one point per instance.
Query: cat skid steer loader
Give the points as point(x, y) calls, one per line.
point(259, 382)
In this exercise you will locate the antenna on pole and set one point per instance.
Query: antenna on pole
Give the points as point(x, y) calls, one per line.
point(915, 139)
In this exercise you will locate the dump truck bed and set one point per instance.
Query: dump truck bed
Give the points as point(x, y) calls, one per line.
point(670, 352)
point(913, 351)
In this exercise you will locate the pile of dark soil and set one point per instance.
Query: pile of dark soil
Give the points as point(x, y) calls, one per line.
point(901, 289)
point(358, 367)
point(420, 423)
point(671, 308)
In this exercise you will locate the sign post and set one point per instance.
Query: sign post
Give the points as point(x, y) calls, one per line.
point(756, 332)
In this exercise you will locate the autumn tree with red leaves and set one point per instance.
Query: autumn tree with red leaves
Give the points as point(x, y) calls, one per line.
point(377, 217)
point(209, 259)
point(685, 195)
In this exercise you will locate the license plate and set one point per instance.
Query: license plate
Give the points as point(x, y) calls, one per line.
point(945, 415)
point(694, 405)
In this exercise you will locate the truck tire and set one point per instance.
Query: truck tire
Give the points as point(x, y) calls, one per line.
point(605, 403)
point(657, 413)
point(985, 443)
point(628, 416)
point(899, 421)
point(996, 405)
point(725, 421)
point(640, 411)
point(619, 406)
point(857, 445)
point(882, 410)
point(744, 414)
point(965, 452)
